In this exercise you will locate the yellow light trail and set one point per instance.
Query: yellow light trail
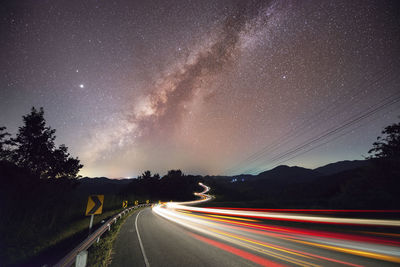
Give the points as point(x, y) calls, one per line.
point(234, 218)
point(340, 249)
point(287, 258)
point(182, 215)
point(350, 251)
point(232, 239)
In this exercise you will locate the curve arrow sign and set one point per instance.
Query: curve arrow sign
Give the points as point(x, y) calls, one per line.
point(95, 205)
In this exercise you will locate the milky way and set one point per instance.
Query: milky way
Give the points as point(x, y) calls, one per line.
point(210, 88)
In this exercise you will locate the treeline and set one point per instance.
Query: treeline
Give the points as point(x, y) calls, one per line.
point(173, 186)
point(370, 187)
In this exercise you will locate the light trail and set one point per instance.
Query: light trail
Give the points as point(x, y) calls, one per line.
point(287, 216)
point(241, 253)
point(278, 245)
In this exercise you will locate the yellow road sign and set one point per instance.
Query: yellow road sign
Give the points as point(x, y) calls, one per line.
point(147, 201)
point(125, 203)
point(95, 205)
point(136, 202)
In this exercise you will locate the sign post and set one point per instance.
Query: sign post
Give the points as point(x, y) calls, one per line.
point(91, 224)
point(94, 206)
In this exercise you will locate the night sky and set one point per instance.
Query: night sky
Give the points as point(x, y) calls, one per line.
point(210, 87)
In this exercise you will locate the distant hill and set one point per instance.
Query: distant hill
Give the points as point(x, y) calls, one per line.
point(341, 166)
point(276, 179)
point(89, 180)
point(101, 185)
point(285, 173)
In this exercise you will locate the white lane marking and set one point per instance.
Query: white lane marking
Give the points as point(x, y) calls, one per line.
point(146, 262)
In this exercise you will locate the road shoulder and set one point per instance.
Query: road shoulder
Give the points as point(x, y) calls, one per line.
point(126, 249)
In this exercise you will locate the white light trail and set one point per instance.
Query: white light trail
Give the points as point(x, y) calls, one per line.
point(258, 237)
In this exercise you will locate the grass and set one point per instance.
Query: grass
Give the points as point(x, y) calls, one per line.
point(74, 228)
point(42, 225)
point(99, 254)
point(38, 249)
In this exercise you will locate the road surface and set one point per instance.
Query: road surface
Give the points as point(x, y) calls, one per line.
point(176, 234)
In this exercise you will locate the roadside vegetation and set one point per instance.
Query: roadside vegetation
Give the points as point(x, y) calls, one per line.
point(41, 214)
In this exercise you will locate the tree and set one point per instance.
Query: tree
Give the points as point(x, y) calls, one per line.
point(146, 175)
point(175, 173)
point(63, 165)
point(36, 150)
point(5, 142)
point(387, 147)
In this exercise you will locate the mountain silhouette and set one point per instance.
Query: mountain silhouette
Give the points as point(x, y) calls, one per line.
point(341, 166)
point(286, 174)
point(101, 185)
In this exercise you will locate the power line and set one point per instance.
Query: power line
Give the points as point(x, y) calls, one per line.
point(317, 146)
point(294, 132)
point(297, 132)
point(332, 131)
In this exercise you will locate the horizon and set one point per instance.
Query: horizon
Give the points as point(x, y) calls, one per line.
point(212, 175)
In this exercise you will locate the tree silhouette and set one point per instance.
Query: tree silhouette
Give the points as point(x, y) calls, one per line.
point(146, 175)
point(63, 165)
point(174, 174)
point(5, 142)
point(389, 146)
point(35, 149)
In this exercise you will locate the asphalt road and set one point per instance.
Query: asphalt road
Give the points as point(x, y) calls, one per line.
point(167, 243)
point(175, 234)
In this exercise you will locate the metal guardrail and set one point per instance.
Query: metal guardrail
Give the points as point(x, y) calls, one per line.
point(70, 258)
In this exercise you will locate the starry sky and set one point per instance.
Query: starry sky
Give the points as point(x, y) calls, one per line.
point(210, 87)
